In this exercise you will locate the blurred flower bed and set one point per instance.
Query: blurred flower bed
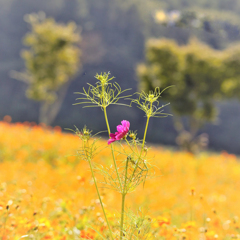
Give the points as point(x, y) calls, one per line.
point(46, 192)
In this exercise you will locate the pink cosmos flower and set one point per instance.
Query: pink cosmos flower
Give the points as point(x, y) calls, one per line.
point(122, 131)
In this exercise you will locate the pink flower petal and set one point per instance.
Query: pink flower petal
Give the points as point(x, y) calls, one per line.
point(125, 123)
point(120, 128)
point(122, 131)
point(112, 135)
point(120, 136)
point(111, 140)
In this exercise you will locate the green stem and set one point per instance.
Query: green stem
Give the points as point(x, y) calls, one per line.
point(113, 156)
point(122, 216)
point(94, 179)
point(144, 137)
point(85, 146)
point(146, 127)
point(128, 144)
point(124, 193)
point(106, 119)
point(145, 134)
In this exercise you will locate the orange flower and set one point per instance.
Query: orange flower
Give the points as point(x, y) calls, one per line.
point(163, 221)
point(86, 235)
point(189, 224)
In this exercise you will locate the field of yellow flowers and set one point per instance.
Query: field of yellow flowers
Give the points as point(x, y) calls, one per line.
point(46, 191)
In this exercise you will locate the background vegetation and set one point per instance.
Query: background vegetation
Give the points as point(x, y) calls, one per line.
point(113, 35)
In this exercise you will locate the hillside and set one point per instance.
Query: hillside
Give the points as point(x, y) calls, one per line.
point(48, 193)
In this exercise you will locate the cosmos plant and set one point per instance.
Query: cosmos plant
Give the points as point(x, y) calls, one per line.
point(131, 167)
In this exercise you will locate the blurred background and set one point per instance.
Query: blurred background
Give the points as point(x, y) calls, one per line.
point(50, 49)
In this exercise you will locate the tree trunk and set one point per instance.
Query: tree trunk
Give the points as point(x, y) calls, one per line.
point(49, 111)
point(188, 140)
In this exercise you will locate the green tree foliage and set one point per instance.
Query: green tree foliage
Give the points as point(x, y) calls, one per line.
point(51, 60)
point(194, 72)
point(231, 85)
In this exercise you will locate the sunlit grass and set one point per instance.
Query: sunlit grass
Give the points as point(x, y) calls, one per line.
point(46, 192)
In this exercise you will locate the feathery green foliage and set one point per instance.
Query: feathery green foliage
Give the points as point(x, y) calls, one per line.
point(103, 93)
point(131, 166)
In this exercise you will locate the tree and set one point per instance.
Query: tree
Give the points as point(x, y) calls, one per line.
point(51, 61)
point(231, 85)
point(194, 72)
